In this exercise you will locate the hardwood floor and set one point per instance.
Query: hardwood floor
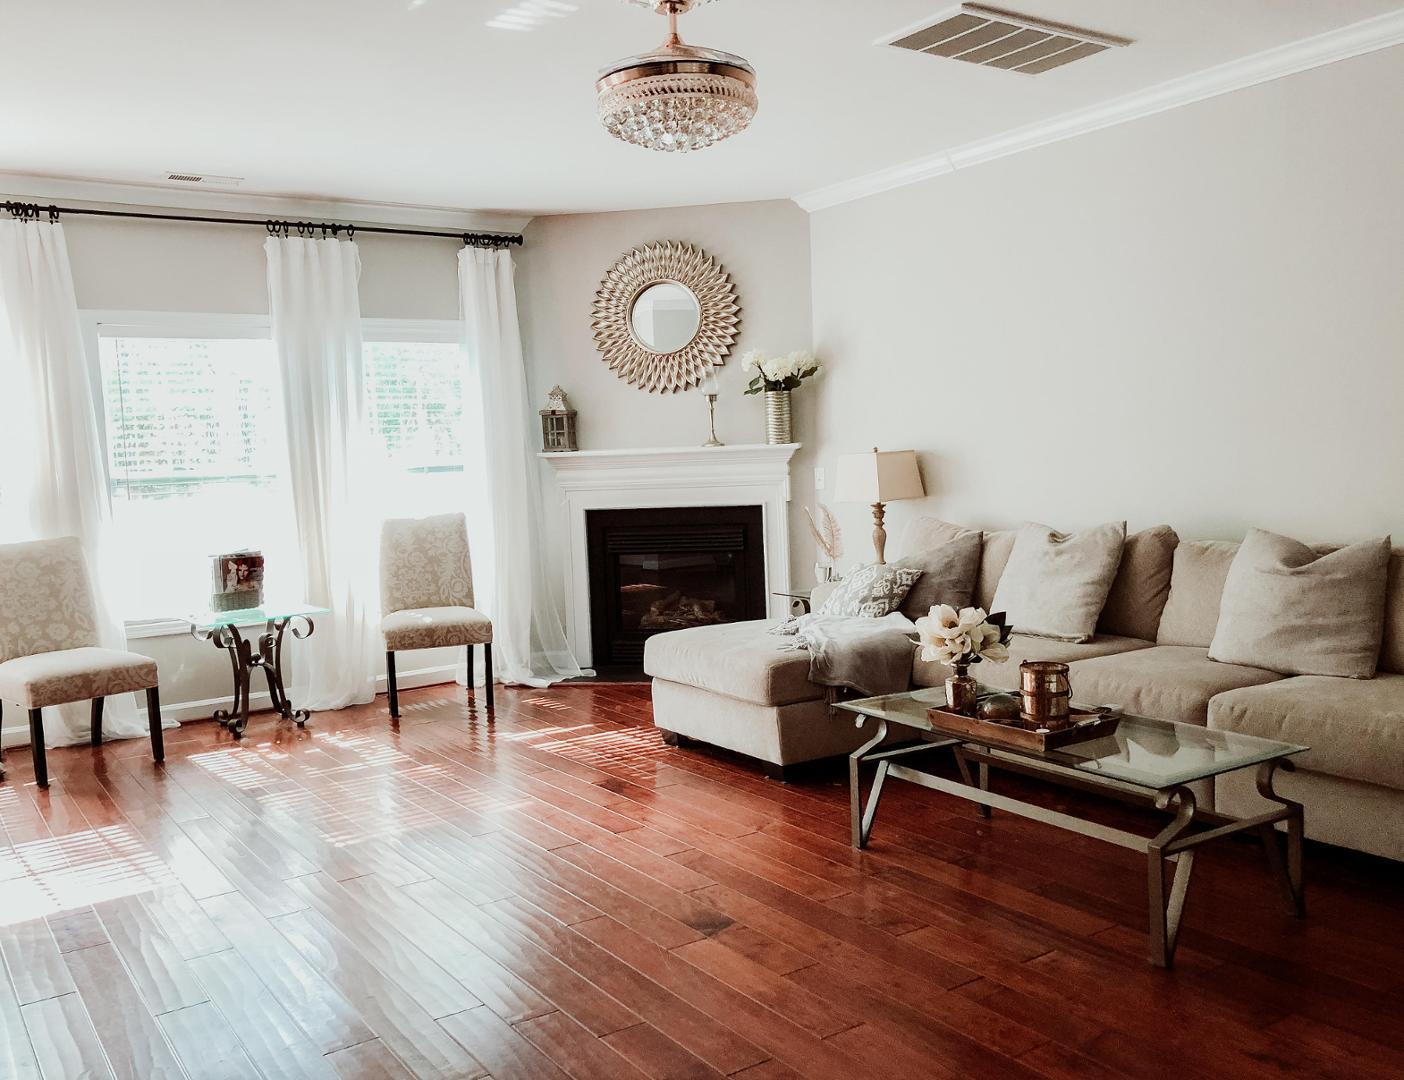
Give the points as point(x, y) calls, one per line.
point(551, 892)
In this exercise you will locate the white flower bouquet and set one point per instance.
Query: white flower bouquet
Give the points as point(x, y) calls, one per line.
point(964, 637)
point(778, 372)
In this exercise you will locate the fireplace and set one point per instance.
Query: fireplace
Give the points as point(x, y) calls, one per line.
point(659, 569)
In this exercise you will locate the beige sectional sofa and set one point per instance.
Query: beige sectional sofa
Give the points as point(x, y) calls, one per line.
point(736, 687)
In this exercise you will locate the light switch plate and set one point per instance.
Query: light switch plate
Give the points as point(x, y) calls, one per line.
point(818, 479)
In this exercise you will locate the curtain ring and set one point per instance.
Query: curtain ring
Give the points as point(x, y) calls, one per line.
point(350, 232)
point(53, 214)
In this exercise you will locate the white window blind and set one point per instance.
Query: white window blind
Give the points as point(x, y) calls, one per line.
point(414, 403)
point(188, 415)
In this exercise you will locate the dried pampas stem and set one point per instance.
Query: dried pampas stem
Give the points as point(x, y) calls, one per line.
point(826, 532)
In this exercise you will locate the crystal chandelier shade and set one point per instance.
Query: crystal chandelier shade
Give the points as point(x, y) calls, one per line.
point(678, 97)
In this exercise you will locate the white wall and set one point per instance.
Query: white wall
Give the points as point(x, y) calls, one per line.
point(764, 246)
point(179, 266)
point(1196, 318)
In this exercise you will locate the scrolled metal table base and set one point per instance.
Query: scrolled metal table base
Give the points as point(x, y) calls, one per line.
point(265, 652)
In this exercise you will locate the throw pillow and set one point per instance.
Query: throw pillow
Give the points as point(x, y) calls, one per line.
point(948, 558)
point(1055, 584)
point(994, 556)
point(1197, 577)
point(1289, 609)
point(1142, 584)
point(870, 591)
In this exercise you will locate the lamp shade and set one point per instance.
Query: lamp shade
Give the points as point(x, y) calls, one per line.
point(878, 476)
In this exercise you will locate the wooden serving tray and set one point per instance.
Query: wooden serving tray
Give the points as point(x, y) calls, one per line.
point(1086, 724)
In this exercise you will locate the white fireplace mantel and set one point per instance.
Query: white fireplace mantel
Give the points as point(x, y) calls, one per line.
point(749, 475)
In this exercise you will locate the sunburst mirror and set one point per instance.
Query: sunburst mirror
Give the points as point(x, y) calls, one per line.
point(665, 315)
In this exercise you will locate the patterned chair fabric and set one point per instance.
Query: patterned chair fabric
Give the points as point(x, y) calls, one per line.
point(432, 628)
point(49, 652)
point(424, 563)
point(426, 585)
point(56, 678)
point(46, 598)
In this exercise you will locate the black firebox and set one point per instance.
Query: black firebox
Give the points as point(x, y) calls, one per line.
point(655, 569)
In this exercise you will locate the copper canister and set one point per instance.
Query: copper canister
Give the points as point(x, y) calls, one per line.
point(1045, 694)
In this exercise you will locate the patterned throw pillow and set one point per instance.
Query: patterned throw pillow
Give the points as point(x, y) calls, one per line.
point(870, 591)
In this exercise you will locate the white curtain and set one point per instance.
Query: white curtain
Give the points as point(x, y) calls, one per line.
point(529, 644)
point(316, 317)
point(54, 482)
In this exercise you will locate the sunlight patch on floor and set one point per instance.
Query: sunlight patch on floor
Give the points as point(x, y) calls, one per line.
point(546, 703)
point(45, 877)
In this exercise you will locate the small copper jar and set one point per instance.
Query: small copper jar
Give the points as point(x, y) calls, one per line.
point(1045, 694)
point(962, 691)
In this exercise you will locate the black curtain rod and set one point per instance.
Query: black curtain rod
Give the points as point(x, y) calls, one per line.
point(33, 211)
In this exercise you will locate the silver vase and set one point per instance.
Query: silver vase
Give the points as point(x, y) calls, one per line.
point(777, 417)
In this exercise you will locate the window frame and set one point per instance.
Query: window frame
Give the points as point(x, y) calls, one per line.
point(97, 324)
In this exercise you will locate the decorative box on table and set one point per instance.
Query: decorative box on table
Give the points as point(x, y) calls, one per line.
point(237, 581)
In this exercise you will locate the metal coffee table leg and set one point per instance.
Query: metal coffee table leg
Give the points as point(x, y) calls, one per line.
point(1289, 871)
point(1165, 911)
point(861, 822)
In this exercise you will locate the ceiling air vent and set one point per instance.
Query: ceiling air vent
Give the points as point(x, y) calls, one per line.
point(205, 178)
point(1002, 39)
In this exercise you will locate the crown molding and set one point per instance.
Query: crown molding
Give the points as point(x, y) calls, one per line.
point(110, 193)
point(1357, 39)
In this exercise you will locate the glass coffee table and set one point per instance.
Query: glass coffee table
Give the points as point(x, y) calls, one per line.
point(1144, 760)
point(222, 628)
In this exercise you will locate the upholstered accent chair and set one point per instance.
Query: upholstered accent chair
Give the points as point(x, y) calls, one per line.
point(426, 594)
point(49, 652)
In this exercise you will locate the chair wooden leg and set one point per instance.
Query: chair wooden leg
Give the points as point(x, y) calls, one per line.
point(36, 747)
point(487, 671)
point(472, 675)
point(153, 716)
point(394, 690)
point(97, 721)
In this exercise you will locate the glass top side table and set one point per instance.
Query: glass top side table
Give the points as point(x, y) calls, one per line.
point(799, 599)
point(223, 630)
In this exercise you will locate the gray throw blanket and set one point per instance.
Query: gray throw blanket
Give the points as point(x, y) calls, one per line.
point(872, 656)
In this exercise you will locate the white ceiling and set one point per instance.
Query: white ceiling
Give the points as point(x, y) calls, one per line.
point(421, 102)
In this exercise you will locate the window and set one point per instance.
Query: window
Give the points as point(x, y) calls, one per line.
point(192, 420)
point(197, 461)
point(188, 417)
point(414, 409)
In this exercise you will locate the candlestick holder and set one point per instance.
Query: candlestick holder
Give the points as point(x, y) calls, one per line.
point(712, 421)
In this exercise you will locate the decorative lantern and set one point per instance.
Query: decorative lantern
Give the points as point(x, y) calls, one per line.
point(557, 423)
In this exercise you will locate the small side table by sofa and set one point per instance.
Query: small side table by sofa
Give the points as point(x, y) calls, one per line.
point(799, 600)
point(222, 629)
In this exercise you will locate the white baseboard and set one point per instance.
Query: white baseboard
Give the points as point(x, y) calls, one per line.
point(18, 734)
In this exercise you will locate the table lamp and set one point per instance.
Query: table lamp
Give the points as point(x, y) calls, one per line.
point(876, 479)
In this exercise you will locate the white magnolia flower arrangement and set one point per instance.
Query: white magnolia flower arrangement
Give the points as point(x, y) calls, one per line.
point(959, 638)
point(778, 372)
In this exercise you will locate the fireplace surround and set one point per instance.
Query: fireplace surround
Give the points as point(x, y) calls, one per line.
point(755, 476)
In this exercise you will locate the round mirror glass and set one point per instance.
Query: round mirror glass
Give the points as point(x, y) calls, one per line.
point(665, 317)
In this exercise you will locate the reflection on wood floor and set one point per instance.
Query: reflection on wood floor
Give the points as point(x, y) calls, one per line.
point(551, 892)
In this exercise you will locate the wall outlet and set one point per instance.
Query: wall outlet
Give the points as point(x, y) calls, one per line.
point(818, 479)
